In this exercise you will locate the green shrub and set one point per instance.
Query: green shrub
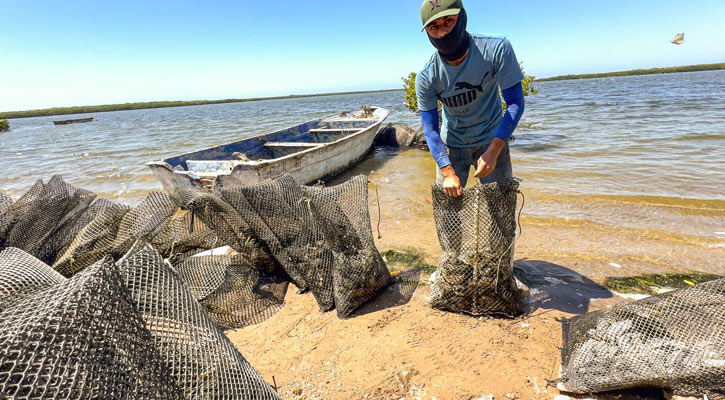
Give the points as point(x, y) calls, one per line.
point(4, 124)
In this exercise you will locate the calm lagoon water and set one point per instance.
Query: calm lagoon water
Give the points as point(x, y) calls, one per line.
point(638, 152)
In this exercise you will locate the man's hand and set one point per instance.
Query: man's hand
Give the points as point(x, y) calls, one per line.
point(487, 162)
point(451, 183)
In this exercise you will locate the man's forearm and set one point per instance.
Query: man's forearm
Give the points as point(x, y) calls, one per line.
point(496, 146)
point(431, 129)
point(514, 97)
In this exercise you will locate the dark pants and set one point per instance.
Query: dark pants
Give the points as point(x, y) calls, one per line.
point(462, 158)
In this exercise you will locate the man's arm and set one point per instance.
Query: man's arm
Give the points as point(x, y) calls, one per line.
point(431, 129)
point(514, 97)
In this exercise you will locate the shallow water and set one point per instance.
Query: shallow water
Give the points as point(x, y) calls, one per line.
point(641, 152)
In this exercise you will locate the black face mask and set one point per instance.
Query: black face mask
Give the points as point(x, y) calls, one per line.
point(454, 44)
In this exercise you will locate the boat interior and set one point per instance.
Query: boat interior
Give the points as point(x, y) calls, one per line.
point(222, 159)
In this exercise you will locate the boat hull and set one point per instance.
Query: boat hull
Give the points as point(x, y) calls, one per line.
point(73, 121)
point(306, 166)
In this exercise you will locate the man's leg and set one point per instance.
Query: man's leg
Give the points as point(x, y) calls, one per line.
point(461, 161)
point(504, 169)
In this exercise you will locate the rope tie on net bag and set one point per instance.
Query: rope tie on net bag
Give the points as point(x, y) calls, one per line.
point(516, 237)
point(377, 199)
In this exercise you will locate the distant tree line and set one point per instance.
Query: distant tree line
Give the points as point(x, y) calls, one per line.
point(650, 71)
point(158, 104)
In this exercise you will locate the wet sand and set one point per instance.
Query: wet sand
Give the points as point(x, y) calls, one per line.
point(396, 347)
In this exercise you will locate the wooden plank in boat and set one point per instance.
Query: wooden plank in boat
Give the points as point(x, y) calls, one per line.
point(292, 144)
point(337, 130)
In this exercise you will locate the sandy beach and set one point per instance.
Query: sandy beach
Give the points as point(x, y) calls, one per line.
point(397, 347)
point(602, 197)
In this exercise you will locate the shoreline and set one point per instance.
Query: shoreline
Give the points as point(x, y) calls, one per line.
point(48, 112)
point(638, 71)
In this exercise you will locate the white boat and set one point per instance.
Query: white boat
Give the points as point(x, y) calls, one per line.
point(309, 152)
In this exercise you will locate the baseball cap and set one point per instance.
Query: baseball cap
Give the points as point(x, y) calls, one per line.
point(434, 9)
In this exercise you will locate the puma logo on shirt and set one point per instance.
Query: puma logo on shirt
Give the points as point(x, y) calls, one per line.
point(462, 99)
point(466, 85)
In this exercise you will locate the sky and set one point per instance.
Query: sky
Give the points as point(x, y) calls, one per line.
point(57, 53)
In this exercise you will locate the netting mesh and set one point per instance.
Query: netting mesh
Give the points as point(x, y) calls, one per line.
point(49, 249)
point(202, 361)
point(39, 221)
point(233, 292)
point(674, 340)
point(142, 222)
point(231, 229)
point(279, 213)
point(22, 274)
point(145, 327)
point(477, 232)
point(359, 271)
point(93, 241)
point(182, 235)
point(321, 236)
point(5, 202)
point(79, 338)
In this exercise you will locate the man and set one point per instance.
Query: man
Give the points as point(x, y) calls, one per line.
point(465, 74)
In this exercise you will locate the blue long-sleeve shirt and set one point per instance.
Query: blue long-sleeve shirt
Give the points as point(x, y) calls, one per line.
point(514, 97)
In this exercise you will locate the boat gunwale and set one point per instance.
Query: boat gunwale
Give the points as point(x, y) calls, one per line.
point(256, 163)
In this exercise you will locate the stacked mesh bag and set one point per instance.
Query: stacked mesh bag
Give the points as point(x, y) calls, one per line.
point(674, 340)
point(231, 289)
point(182, 235)
point(43, 220)
point(477, 232)
point(130, 329)
point(200, 358)
point(320, 236)
point(5, 202)
point(240, 287)
point(78, 338)
point(63, 226)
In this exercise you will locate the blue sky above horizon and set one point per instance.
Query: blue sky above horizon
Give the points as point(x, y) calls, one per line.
point(63, 53)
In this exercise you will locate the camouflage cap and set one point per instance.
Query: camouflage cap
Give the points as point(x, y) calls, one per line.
point(434, 9)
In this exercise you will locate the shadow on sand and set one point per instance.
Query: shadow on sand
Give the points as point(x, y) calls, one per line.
point(554, 287)
point(397, 294)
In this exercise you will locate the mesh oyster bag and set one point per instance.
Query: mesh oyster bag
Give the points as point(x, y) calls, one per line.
point(359, 271)
point(37, 221)
point(200, 358)
point(113, 230)
point(51, 249)
point(142, 222)
point(673, 341)
point(5, 202)
point(182, 235)
point(77, 338)
point(232, 290)
point(93, 241)
point(231, 229)
point(477, 232)
point(22, 274)
point(281, 215)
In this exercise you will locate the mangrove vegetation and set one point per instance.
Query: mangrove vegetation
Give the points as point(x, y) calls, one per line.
point(159, 104)
point(650, 71)
point(4, 124)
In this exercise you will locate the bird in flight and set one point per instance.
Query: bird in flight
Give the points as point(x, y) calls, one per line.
point(679, 38)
